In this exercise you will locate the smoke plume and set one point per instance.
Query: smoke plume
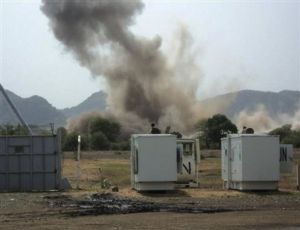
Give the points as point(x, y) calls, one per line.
point(261, 121)
point(143, 84)
point(258, 119)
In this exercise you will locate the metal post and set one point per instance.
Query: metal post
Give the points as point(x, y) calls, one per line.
point(89, 135)
point(198, 158)
point(52, 128)
point(11, 104)
point(298, 176)
point(228, 161)
point(59, 159)
point(78, 163)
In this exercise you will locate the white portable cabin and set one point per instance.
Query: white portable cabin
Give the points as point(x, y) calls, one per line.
point(153, 162)
point(250, 162)
point(188, 157)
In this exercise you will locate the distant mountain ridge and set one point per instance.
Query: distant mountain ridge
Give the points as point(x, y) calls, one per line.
point(95, 102)
point(36, 110)
point(283, 102)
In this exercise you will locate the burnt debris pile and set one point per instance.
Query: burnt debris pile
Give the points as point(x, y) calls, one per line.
point(106, 203)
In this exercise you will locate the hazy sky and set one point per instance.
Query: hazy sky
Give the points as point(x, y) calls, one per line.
point(240, 44)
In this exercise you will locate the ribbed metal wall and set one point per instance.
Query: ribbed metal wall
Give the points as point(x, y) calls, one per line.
point(29, 163)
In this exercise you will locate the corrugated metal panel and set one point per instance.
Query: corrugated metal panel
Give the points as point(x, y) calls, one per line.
point(29, 163)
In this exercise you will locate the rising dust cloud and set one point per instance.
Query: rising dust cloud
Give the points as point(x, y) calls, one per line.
point(144, 84)
point(261, 121)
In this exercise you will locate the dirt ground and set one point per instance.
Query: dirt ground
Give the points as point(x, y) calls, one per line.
point(206, 207)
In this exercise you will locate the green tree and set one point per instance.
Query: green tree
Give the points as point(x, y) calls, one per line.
point(111, 129)
point(217, 126)
point(21, 130)
point(9, 129)
point(293, 138)
point(287, 135)
point(283, 132)
point(214, 128)
point(211, 130)
point(99, 141)
point(71, 142)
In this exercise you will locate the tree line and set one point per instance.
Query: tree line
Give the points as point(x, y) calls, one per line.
point(101, 133)
point(212, 129)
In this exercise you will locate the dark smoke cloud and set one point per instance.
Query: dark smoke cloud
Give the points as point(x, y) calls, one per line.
point(143, 84)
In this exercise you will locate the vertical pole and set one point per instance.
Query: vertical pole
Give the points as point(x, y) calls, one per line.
point(228, 161)
point(78, 163)
point(131, 162)
point(58, 159)
point(298, 176)
point(32, 145)
point(89, 135)
point(52, 128)
point(198, 158)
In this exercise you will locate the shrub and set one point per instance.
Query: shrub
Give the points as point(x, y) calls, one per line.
point(99, 141)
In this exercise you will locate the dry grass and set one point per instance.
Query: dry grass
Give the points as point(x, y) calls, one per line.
point(210, 173)
point(94, 173)
point(115, 169)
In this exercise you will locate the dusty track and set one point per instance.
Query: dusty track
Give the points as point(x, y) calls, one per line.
point(234, 211)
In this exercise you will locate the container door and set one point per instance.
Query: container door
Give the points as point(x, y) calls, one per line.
point(224, 158)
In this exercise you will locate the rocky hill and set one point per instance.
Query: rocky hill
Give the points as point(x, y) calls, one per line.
point(95, 102)
point(231, 104)
point(36, 110)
